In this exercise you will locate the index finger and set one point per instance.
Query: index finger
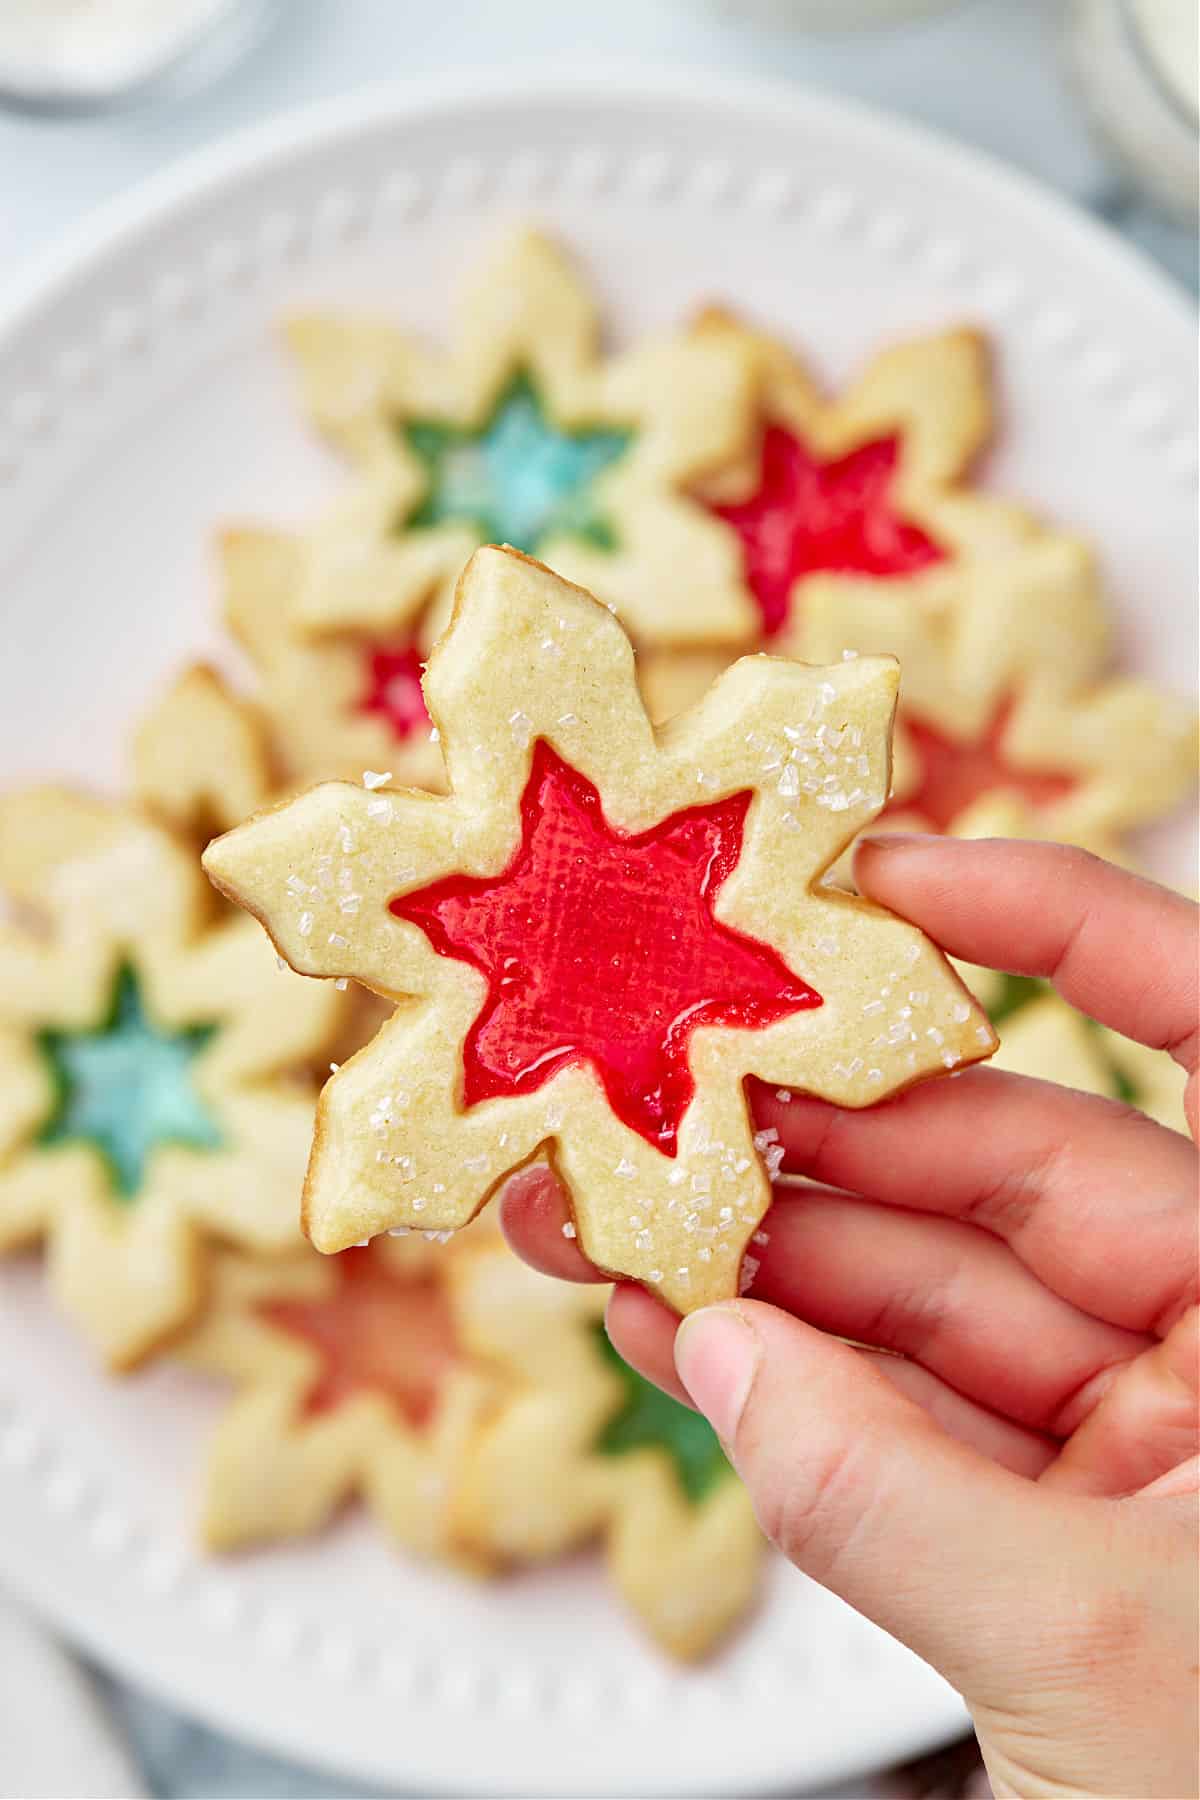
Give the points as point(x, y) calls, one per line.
point(1117, 946)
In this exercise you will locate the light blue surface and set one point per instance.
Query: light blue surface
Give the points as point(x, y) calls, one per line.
point(986, 71)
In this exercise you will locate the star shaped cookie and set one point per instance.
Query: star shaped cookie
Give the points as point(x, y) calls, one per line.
point(201, 759)
point(156, 1069)
point(585, 1449)
point(521, 432)
point(353, 1380)
point(1074, 765)
point(597, 936)
point(856, 528)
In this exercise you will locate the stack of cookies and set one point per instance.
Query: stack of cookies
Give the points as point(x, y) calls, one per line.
point(161, 1065)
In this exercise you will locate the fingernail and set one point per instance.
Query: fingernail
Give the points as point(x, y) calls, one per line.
point(716, 1358)
point(898, 840)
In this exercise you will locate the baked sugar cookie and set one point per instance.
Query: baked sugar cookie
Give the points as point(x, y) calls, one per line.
point(597, 936)
point(857, 529)
point(587, 1449)
point(157, 1069)
point(353, 1381)
point(200, 755)
point(345, 702)
point(1078, 766)
point(524, 433)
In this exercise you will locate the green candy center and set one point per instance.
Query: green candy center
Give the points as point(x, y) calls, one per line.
point(518, 480)
point(125, 1086)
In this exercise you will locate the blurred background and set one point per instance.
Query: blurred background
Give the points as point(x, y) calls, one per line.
point(1095, 99)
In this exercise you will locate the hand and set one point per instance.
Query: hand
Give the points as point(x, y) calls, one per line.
point(1007, 1480)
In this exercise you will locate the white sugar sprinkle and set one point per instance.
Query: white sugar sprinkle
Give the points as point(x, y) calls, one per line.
point(569, 1230)
point(341, 984)
point(521, 726)
point(335, 938)
point(379, 809)
point(374, 778)
point(435, 736)
point(961, 1013)
point(784, 1095)
point(304, 924)
point(625, 1169)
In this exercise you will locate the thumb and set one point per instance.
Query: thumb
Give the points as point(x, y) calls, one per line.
point(864, 1492)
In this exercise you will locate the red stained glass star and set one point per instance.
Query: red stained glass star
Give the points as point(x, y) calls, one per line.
point(955, 772)
point(393, 688)
point(603, 947)
point(376, 1332)
point(809, 515)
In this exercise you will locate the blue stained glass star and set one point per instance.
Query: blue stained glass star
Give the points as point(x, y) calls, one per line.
point(520, 479)
point(126, 1087)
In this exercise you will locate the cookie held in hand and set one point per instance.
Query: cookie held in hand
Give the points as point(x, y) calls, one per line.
point(598, 935)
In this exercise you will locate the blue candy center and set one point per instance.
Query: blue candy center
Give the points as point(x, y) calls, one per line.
point(126, 1086)
point(520, 479)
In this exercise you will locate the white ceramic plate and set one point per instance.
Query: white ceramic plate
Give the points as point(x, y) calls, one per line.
point(142, 398)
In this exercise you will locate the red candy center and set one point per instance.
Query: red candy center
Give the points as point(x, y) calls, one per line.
point(377, 1332)
point(809, 515)
point(602, 947)
point(954, 772)
point(393, 688)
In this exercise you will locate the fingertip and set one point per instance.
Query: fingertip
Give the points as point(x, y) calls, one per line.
point(537, 1225)
point(882, 856)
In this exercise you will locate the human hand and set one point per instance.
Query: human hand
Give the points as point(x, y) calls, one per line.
point(1007, 1479)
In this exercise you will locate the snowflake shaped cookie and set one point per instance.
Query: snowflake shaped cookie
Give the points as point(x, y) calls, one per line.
point(342, 702)
point(157, 1070)
point(521, 433)
point(354, 1379)
point(585, 1449)
point(598, 935)
point(201, 758)
point(857, 530)
point(1075, 765)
